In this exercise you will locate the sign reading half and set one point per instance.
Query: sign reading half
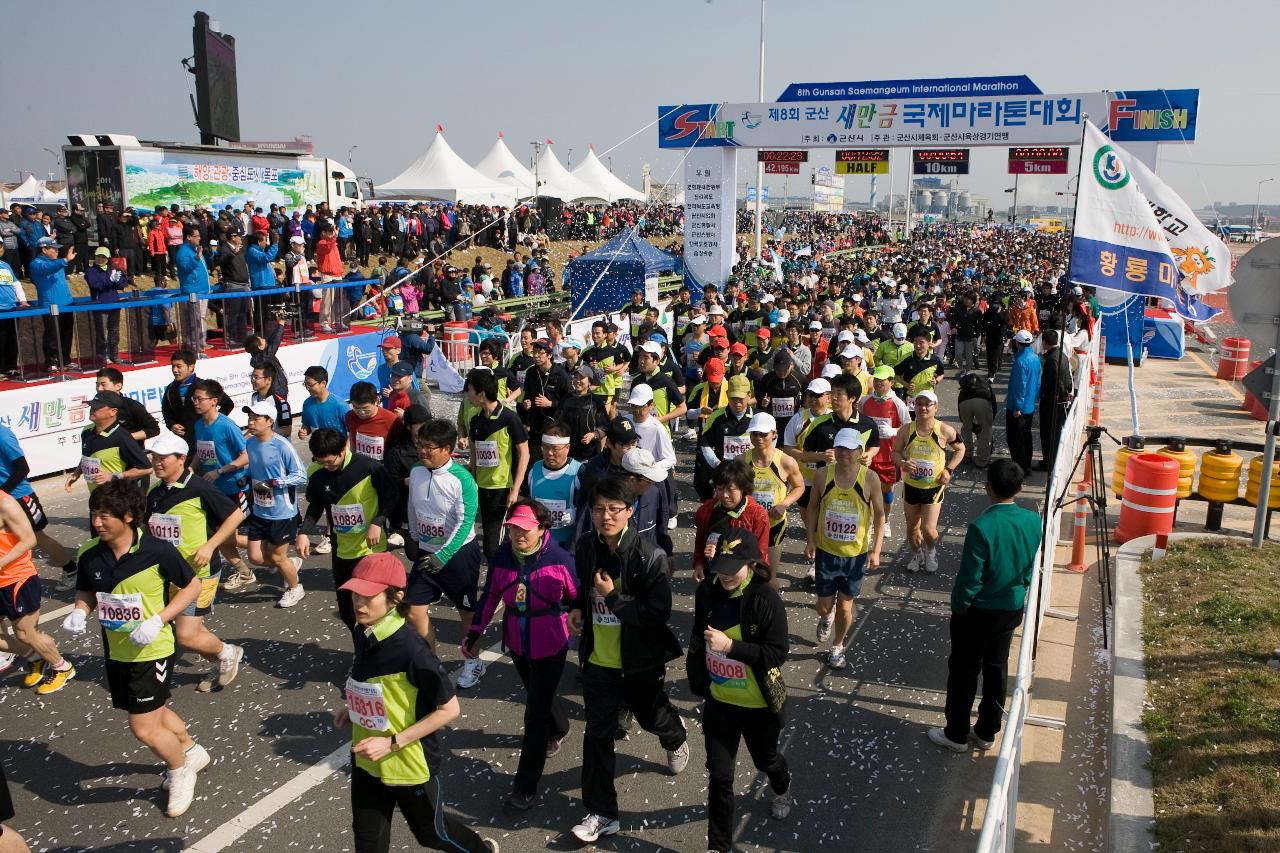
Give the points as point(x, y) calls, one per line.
point(862, 161)
point(1038, 161)
point(940, 161)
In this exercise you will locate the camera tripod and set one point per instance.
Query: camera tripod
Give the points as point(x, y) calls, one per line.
point(1097, 499)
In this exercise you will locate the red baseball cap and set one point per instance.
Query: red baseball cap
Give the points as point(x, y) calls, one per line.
point(375, 573)
point(392, 341)
point(720, 341)
point(763, 333)
point(738, 349)
point(713, 371)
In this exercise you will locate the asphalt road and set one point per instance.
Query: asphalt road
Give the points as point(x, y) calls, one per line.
point(865, 776)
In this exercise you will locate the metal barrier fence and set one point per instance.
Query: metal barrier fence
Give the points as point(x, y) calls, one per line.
point(999, 824)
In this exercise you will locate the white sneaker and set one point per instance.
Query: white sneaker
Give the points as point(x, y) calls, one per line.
point(6, 661)
point(888, 530)
point(472, 671)
point(691, 434)
point(678, 758)
point(916, 563)
point(938, 736)
point(593, 826)
point(229, 664)
point(836, 659)
point(824, 629)
point(291, 596)
point(395, 540)
point(197, 759)
point(979, 742)
point(324, 546)
point(182, 790)
point(931, 561)
point(672, 522)
point(210, 679)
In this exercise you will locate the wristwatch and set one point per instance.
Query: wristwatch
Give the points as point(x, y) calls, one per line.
point(395, 747)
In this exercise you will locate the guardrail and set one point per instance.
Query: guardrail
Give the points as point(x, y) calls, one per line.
point(999, 825)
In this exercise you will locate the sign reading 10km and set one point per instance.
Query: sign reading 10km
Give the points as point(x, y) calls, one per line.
point(940, 161)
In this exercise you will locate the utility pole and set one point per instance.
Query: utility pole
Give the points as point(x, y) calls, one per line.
point(537, 184)
point(759, 165)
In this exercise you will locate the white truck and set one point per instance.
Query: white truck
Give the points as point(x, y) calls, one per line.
point(144, 175)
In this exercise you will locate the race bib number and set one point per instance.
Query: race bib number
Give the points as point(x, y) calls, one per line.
point(90, 466)
point(784, 407)
point(735, 446)
point(366, 706)
point(713, 539)
point(264, 499)
point(764, 497)
point(601, 614)
point(370, 445)
point(885, 427)
point(166, 526)
point(486, 454)
point(924, 470)
point(206, 454)
point(561, 513)
point(726, 672)
point(840, 522)
point(120, 611)
point(348, 518)
point(430, 528)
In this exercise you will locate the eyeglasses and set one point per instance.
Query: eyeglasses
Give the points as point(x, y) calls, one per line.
point(196, 399)
point(616, 510)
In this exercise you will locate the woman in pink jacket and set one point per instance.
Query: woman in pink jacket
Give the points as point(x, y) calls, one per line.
point(534, 578)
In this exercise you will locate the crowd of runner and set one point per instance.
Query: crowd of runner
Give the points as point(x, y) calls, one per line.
point(804, 391)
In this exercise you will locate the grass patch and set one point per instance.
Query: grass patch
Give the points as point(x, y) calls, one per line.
point(1211, 621)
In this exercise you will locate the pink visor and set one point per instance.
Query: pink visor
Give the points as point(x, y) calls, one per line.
point(523, 518)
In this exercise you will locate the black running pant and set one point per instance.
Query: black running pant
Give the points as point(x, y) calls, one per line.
point(373, 803)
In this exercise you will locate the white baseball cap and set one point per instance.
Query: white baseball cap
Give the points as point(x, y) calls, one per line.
point(829, 370)
point(652, 347)
point(861, 337)
point(639, 461)
point(857, 297)
point(698, 321)
point(844, 337)
point(1022, 336)
point(900, 330)
point(767, 298)
point(166, 443)
point(265, 408)
point(762, 422)
point(716, 309)
point(815, 326)
point(641, 395)
point(925, 395)
point(784, 316)
point(818, 386)
point(849, 439)
point(852, 351)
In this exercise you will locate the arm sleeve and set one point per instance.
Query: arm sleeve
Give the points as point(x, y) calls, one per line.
point(144, 419)
point(469, 498)
point(295, 473)
point(973, 563)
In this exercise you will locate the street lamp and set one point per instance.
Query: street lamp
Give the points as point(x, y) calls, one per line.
point(350, 159)
point(537, 184)
point(56, 159)
point(569, 164)
point(1256, 199)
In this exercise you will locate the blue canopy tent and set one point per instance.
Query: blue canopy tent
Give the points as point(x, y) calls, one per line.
point(602, 280)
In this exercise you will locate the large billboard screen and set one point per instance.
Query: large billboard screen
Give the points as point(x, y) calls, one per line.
point(217, 100)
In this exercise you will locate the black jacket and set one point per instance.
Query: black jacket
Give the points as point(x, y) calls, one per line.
point(974, 385)
point(583, 415)
point(134, 416)
point(641, 599)
point(64, 230)
point(764, 644)
point(176, 409)
point(232, 266)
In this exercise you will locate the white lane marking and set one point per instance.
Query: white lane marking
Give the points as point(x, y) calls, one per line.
point(233, 830)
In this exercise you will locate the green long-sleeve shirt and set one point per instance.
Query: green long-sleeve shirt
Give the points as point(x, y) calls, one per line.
point(999, 556)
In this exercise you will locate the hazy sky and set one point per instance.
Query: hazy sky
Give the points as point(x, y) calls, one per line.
point(381, 74)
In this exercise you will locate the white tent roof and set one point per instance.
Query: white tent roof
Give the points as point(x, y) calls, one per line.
point(440, 174)
point(557, 182)
point(502, 166)
point(594, 174)
point(32, 191)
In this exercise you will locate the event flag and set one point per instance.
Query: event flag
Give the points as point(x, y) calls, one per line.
point(1136, 235)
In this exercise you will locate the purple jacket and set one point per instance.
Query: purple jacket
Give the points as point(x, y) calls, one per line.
point(549, 589)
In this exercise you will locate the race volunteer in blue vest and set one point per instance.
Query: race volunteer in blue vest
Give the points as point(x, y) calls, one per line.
point(499, 451)
point(443, 504)
point(736, 650)
point(357, 495)
point(622, 612)
point(107, 450)
point(553, 482)
point(844, 526)
point(194, 517)
point(222, 459)
point(397, 697)
point(138, 585)
point(275, 473)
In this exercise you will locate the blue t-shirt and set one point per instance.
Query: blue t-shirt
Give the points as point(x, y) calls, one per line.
point(276, 461)
point(216, 445)
point(330, 414)
point(10, 453)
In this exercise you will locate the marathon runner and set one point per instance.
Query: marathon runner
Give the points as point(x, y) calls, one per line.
point(553, 482)
point(921, 453)
point(779, 391)
point(14, 469)
point(725, 436)
point(776, 484)
point(263, 381)
point(127, 576)
point(730, 506)
point(321, 410)
point(275, 472)
point(133, 414)
point(369, 426)
point(107, 450)
point(890, 414)
point(222, 459)
point(190, 514)
point(844, 525)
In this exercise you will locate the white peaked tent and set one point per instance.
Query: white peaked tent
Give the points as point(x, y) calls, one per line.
point(557, 182)
point(441, 175)
point(32, 191)
point(594, 174)
point(502, 166)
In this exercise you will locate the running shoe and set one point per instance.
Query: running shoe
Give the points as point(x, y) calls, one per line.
point(67, 583)
point(781, 806)
point(938, 736)
point(916, 563)
point(836, 659)
point(520, 801)
point(678, 758)
point(691, 434)
point(35, 672)
point(55, 680)
point(395, 540)
point(472, 671)
point(240, 580)
point(324, 546)
point(490, 845)
point(182, 790)
point(291, 596)
point(824, 629)
point(7, 660)
point(980, 742)
point(888, 530)
point(672, 522)
point(593, 826)
point(553, 746)
point(931, 561)
point(229, 663)
point(811, 577)
point(210, 679)
point(196, 758)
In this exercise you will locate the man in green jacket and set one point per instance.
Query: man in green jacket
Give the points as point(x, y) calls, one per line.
point(986, 607)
